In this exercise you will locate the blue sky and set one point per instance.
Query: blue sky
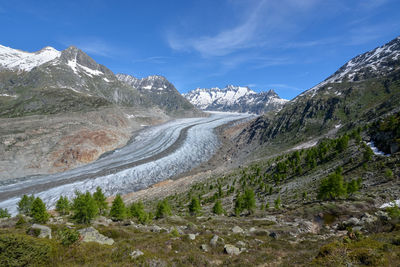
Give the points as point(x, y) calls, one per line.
point(286, 45)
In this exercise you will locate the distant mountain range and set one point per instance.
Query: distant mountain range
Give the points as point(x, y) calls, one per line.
point(235, 99)
point(51, 81)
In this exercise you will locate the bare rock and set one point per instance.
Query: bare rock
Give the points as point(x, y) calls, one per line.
point(192, 236)
point(237, 230)
point(135, 254)
point(214, 241)
point(103, 221)
point(204, 247)
point(368, 218)
point(231, 250)
point(44, 230)
point(92, 235)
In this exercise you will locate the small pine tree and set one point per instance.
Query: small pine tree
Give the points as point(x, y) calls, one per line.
point(353, 186)
point(118, 209)
point(220, 192)
point(39, 212)
point(194, 206)
point(4, 213)
point(163, 209)
point(367, 156)
point(249, 202)
point(63, 205)
point(217, 209)
point(25, 205)
point(137, 210)
point(332, 187)
point(100, 199)
point(277, 203)
point(84, 207)
point(304, 195)
point(239, 203)
point(342, 143)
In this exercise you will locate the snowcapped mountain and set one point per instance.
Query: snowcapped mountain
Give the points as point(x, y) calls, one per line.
point(377, 62)
point(160, 92)
point(51, 81)
point(14, 59)
point(235, 99)
point(365, 88)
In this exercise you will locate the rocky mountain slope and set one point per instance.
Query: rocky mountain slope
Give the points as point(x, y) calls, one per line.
point(160, 92)
point(61, 109)
point(361, 91)
point(235, 99)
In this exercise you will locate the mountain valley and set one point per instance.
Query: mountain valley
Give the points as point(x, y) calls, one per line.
point(308, 182)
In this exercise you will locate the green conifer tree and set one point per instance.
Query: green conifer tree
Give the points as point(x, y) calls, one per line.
point(39, 212)
point(118, 209)
point(100, 199)
point(218, 209)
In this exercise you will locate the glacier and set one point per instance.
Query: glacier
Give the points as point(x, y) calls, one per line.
point(153, 155)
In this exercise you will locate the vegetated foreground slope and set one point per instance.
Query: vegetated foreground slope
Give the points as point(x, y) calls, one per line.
point(314, 204)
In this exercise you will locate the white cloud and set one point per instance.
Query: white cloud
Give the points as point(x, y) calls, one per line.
point(263, 23)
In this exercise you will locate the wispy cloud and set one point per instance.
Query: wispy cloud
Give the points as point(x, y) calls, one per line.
point(372, 4)
point(225, 42)
point(153, 60)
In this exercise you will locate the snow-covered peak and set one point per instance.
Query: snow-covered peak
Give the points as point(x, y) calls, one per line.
point(378, 61)
point(153, 82)
point(234, 98)
point(14, 59)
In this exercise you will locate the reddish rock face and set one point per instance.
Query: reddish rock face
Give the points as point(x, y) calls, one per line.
point(83, 147)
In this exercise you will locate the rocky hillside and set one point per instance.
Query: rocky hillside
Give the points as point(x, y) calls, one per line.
point(61, 109)
point(50, 81)
point(235, 99)
point(361, 91)
point(160, 92)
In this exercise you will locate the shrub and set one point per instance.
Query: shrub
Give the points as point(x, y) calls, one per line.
point(217, 209)
point(388, 173)
point(25, 204)
point(163, 209)
point(137, 210)
point(118, 209)
point(24, 250)
point(84, 207)
point(63, 205)
point(68, 236)
point(277, 203)
point(194, 206)
point(4, 213)
point(100, 199)
point(39, 212)
point(175, 232)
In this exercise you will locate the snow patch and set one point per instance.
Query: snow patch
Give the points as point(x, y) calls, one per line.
point(14, 59)
point(390, 204)
point(14, 96)
point(376, 150)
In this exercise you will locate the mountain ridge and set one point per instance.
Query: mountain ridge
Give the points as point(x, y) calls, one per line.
point(235, 99)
